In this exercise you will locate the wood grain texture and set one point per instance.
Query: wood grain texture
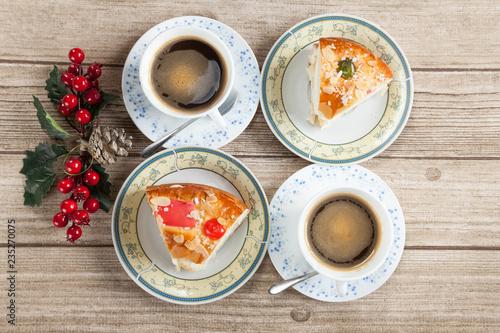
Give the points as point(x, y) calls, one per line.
point(442, 205)
point(429, 32)
point(454, 115)
point(444, 169)
point(74, 289)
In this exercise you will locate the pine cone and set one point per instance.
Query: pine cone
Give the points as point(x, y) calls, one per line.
point(106, 143)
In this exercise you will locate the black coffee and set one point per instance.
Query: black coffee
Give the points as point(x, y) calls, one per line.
point(188, 75)
point(343, 231)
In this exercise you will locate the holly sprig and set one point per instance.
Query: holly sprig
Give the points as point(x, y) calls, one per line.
point(79, 100)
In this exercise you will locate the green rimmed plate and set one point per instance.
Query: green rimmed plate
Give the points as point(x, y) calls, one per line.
point(358, 135)
point(140, 247)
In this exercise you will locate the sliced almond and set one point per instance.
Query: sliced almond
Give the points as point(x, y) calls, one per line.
point(174, 186)
point(212, 199)
point(195, 214)
point(222, 221)
point(209, 192)
point(195, 242)
point(189, 245)
point(179, 251)
point(161, 201)
point(334, 79)
point(201, 249)
point(328, 74)
point(328, 89)
point(360, 94)
point(328, 54)
point(350, 85)
point(325, 110)
point(361, 84)
point(179, 238)
point(372, 63)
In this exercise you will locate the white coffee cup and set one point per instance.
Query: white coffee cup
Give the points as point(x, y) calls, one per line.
point(186, 32)
point(380, 254)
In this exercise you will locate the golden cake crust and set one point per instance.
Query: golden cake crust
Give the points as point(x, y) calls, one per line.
point(209, 203)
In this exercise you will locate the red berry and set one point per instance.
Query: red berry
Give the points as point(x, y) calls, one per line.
point(91, 178)
point(73, 166)
point(93, 83)
point(68, 206)
point(65, 186)
point(70, 101)
point(71, 179)
point(91, 205)
point(83, 116)
point(74, 232)
point(76, 55)
point(94, 71)
point(64, 110)
point(81, 193)
point(80, 217)
point(93, 96)
point(60, 220)
point(68, 78)
point(80, 83)
point(75, 69)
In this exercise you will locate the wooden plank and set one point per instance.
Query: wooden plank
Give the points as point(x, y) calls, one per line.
point(445, 202)
point(428, 32)
point(85, 288)
point(454, 115)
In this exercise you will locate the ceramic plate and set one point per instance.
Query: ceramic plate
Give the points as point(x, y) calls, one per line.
point(285, 210)
point(155, 124)
point(358, 135)
point(139, 244)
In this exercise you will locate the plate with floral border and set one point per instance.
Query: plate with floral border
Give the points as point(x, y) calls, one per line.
point(140, 246)
point(155, 124)
point(285, 210)
point(355, 136)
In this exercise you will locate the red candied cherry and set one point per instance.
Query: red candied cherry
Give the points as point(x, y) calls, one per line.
point(74, 232)
point(75, 69)
point(94, 71)
point(68, 78)
point(91, 178)
point(81, 193)
point(70, 101)
point(214, 229)
point(68, 206)
point(65, 186)
point(73, 166)
point(64, 110)
point(60, 220)
point(93, 83)
point(83, 116)
point(76, 55)
point(80, 217)
point(93, 96)
point(91, 205)
point(80, 83)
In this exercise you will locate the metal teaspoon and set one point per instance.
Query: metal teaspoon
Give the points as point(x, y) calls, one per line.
point(223, 109)
point(280, 286)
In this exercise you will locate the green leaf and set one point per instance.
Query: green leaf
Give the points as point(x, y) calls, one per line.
point(49, 124)
point(102, 191)
point(55, 87)
point(38, 182)
point(45, 155)
point(105, 100)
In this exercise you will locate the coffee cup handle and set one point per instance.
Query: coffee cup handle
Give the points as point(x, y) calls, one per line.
point(341, 288)
point(217, 117)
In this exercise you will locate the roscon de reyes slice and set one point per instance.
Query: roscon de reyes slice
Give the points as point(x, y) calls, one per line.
point(195, 220)
point(343, 74)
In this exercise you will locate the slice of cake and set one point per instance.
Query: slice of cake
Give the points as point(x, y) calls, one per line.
point(343, 74)
point(195, 220)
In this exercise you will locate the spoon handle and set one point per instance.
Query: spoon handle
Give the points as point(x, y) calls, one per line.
point(280, 286)
point(149, 150)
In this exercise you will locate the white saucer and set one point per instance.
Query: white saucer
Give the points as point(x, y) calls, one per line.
point(285, 209)
point(155, 124)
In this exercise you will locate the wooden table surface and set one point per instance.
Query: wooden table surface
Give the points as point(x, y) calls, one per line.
point(444, 168)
